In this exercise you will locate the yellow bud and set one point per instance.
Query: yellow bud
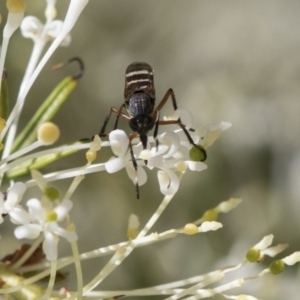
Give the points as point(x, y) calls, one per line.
point(16, 6)
point(132, 233)
point(190, 229)
point(48, 133)
point(91, 155)
point(210, 215)
point(181, 166)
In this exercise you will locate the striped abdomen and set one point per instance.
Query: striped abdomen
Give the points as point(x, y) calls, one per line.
point(139, 78)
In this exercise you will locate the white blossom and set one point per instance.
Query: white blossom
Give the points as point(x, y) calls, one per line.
point(44, 220)
point(170, 157)
point(292, 259)
point(9, 204)
point(33, 28)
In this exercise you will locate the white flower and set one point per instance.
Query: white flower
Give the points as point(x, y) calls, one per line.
point(292, 259)
point(172, 155)
point(264, 243)
point(119, 145)
point(9, 204)
point(44, 220)
point(32, 28)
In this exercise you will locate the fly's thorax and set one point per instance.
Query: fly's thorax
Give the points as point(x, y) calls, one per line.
point(140, 104)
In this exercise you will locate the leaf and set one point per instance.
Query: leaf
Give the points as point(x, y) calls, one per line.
point(4, 97)
point(45, 112)
point(37, 163)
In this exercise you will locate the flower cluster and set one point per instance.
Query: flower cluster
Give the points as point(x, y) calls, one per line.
point(42, 217)
point(45, 217)
point(170, 157)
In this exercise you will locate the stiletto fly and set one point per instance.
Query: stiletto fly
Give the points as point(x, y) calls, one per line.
point(142, 115)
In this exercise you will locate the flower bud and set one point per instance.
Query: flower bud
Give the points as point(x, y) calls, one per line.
point(16, 6)
point(190, 229)
point(48, 133)
point(90, 156)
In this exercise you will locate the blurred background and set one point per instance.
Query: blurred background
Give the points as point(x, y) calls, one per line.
point(235, 61)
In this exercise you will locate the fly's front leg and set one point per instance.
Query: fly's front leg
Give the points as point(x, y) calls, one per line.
point(118, 114)
point(134, 163)
point(156, 130)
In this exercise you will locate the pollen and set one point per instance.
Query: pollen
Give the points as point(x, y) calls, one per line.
point(51, 216)
point(276, 267)
point(48, 133)
point(16, 6)
point(253, 255)
point(197, 153)
point(190, 229)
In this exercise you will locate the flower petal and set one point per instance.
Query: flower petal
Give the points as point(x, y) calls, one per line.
point(31, 27)
point(18, 215)
point(168, 181)
point(292, 259)
point(15, 195)
point(196, 165)
point(265, 242)
point(70, 236)
point(63, 209)
point(36, 210)
point(115, 164)
point(29, 231)
point(172, 140)
point(50, 246)
point(185, 115)
point(38, 177)
point(155, 161)
point(54, 28)
point(140, 173)
point(119, 142)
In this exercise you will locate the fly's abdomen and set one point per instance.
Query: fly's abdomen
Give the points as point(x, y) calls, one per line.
point(139, 78)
